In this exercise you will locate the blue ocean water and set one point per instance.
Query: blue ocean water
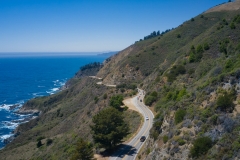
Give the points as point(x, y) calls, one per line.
point(23, 78)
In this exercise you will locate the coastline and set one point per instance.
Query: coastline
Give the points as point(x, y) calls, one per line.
point(27, 115)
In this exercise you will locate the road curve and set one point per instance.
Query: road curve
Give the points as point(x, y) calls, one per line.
point(130, 150)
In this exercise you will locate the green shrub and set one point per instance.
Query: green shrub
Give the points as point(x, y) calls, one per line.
point(154, 94)
point(148, 151)
point(236, 145)
point(96, 99)
point(196, 55)
point(228, 64)
point(181, 142)
point(192, 57)
point(200, 49)
point(149, 100)
point(200, 146)
point(165, 139)
point(181, 93)
point(232, 26)
point(206, 46)
point(223, 48)
point(49, 142)
point(105, 96)
point(39, 144)
point(175, 71)
point(214, 119)
point(179, 115)
point(116, 101)
point(225, 102)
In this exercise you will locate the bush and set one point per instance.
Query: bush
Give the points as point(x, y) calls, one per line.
point(200, 146)
point(49, 142)
point(105, 96)
point(232, 26)
point(181, 142)
point(175, 71)
point(179, 115)
point(39, 144)
point(116, 101)
point(206, 46)
point(225, 102)
point(223, 48)
point(149, 100)
point(200, 49)
point(96, 99)
point(165, 139)
point(154, 94)
point(196, 55)
point(181, 93)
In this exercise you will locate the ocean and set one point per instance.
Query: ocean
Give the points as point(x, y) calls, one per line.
point(23, 78)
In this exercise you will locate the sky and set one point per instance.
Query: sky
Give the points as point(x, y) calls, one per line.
point(89, 25)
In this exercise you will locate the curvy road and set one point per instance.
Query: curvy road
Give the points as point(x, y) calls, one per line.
point(130, 150)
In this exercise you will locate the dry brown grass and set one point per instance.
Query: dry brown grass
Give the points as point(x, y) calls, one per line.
point(232, 6)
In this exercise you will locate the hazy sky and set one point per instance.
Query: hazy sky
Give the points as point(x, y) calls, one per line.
point(89, 25)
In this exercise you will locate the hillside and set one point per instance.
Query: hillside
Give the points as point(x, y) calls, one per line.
point(64, 118)
point(192, 78)
point(188, 73)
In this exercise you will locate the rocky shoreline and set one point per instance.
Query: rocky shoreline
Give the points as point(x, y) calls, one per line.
point(29, 113)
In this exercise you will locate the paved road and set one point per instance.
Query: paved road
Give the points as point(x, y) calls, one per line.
point(129, 151)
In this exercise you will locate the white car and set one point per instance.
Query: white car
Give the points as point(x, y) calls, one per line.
point(147, 118)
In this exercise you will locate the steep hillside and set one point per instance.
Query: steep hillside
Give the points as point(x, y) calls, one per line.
point(64, 118)
point(192, 78)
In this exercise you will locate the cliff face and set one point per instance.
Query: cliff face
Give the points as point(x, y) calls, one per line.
point(192, 79)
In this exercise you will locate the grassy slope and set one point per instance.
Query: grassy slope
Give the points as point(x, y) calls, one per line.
point(65, 117)
point(150, 61)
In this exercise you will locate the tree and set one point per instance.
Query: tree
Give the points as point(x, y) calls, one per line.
point(116, 101)
point(84, 151)
point(39, 144)
point(200, 146)
point(109, 128)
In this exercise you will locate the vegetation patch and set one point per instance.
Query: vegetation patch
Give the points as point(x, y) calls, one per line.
point(200, 146)
point(175, 71)
point(179, 116)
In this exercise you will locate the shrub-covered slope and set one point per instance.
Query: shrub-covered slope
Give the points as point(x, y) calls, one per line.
point(64, 118)
point(192, 78)
point(191, 75)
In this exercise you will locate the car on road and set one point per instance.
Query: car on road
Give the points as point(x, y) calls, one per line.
point(147, 118)
point(142, 139)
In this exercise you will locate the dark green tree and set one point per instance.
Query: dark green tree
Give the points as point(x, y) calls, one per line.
point(116, 101)
point(39, 144)
point(200, 146)
point(84, 151)
point(109, 128)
